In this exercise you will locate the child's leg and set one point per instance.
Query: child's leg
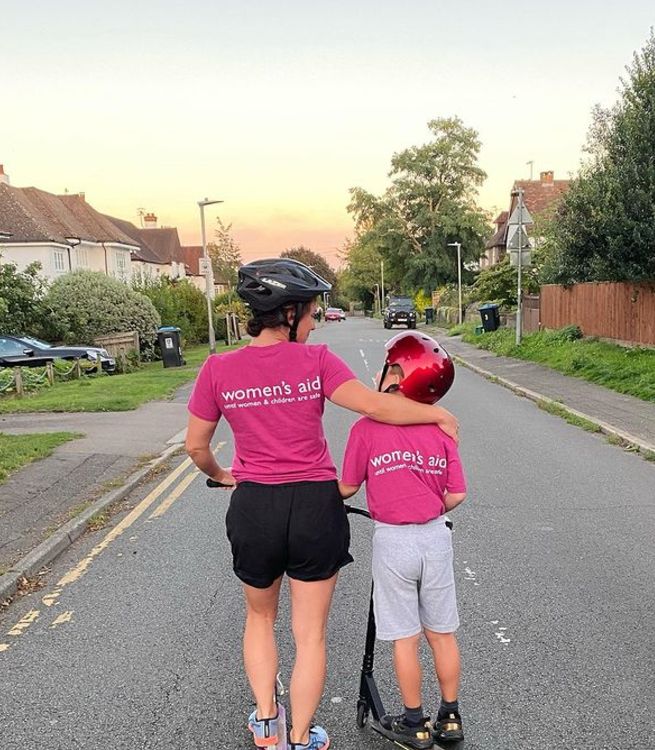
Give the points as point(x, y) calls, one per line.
point(446, 662)
point(408, 670)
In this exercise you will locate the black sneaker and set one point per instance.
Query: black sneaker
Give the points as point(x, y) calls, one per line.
point(397, 729)
point(449, 728)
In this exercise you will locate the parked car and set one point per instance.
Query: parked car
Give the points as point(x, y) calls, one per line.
point(335, 313)
point(31, 349)
point(401, 312)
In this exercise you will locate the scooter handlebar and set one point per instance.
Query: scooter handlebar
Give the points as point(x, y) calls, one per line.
point(214, 484)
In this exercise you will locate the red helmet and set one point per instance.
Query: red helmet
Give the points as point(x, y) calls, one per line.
point(428, 370)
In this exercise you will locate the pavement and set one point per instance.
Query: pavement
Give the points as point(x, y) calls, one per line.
point(41, 498)
point(626, 417)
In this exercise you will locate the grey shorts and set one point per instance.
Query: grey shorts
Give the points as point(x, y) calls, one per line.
point(414, 581)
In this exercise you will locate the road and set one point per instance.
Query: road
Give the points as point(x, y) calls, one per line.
point(134, 641)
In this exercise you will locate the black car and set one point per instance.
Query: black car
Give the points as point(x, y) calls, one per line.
point(401, 312)
point(25, 350)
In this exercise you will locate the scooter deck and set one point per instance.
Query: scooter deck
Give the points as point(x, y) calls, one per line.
point(380, 730)
point(282, 740)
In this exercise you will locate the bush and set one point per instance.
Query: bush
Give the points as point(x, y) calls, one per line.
point(82, 305)
point(21, 294)
point(179, 303)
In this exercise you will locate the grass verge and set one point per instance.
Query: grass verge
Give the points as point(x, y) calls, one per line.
point(18, 450)
point(622, 369)
point(116, 393)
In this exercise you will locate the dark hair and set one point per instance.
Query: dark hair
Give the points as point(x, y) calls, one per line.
point(273, 318)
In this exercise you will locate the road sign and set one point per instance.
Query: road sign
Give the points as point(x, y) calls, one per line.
point(204, 266)
point(517, 238)
point(526, 258)
point(525, 217)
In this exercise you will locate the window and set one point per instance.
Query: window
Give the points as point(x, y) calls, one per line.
point(121, 263)
point(82, 257)
point(59, 261)
point(10, 348)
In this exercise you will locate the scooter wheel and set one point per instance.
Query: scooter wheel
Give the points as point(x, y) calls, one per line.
point(362, 715)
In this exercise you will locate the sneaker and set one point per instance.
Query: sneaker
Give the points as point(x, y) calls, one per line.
point(318, 740)
point(449, 728)
point(397, 729)
point(264, 731)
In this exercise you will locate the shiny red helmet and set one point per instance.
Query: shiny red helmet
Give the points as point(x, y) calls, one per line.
point(428, 370)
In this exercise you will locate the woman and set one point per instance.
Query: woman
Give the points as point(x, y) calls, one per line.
point(286, 514)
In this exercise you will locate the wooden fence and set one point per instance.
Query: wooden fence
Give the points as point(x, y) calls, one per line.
point(621, 311)
point(119, 345)
point(530, 313)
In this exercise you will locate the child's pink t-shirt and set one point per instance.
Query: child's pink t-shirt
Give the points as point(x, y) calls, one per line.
point(273, 399)
point(407, 470)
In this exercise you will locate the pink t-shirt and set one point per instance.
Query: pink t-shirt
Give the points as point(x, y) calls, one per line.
point(407, 470)
point(273, 399)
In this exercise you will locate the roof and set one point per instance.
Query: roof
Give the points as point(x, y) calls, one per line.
point(33, 215)
point(498, 239)
point(164, 241)
point(190, 255)
point(145, 253)
point(540, 195)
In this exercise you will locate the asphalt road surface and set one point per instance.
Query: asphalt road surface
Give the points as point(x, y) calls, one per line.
point(135, 640)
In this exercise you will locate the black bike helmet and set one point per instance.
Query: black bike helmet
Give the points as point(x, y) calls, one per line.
point(267, 285)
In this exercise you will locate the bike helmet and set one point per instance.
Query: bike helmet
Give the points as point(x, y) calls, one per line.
point(267, 285)
point(428, 370)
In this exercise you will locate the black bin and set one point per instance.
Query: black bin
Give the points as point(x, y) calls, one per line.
point(490, 317)
point(429, 314)
point(170, 344)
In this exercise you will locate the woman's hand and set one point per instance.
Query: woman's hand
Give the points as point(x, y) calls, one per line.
point(450, 425)
point(225, 477)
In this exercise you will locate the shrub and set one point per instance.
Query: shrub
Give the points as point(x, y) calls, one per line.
point(82, 305)
point(21, 294)
point(179, 303)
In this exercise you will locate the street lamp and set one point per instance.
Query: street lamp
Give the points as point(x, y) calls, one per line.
point(378, 298)
point(458, 245)
point(209, 275)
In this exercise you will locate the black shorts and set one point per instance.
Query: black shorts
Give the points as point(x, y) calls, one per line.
point(300, 529)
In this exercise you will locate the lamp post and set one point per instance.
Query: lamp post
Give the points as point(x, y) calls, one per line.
point(209, 275)
point(378, 302)
point(458, 245)
point(382, 285)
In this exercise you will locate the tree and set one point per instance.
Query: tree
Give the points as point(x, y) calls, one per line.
point(312, 259)
point(225, 255)
point(362, 272)
point(604, 229)
point(429, 203)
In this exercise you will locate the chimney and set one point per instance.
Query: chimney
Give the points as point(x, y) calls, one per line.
point(82, 196)
point(150, 221)
point(4, 178)
point(546, 176)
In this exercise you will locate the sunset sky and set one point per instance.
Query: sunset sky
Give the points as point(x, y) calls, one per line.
point(278, 108)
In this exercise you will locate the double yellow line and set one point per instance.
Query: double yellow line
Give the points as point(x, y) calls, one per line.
point(83, 565)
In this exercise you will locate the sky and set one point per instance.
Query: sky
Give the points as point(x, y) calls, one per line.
point(278, 108)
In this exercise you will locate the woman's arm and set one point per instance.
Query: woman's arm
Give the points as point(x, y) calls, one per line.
point(384, 407)
point(348, 490)
point(198, 445)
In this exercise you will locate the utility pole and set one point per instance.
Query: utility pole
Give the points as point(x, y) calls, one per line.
point(382, 287)
point(519, 293)
point(209, 278)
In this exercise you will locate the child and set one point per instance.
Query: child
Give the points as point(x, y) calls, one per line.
point(413, 476)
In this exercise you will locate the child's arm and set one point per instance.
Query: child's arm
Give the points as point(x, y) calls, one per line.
point(348, 490)
point(453, 499)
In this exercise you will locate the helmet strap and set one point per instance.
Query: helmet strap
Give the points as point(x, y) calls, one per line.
point(383, 375)
point(293, 328)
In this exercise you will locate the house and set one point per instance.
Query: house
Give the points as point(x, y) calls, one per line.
point(62, 232)
point(541, 198)
point(191, 255)
point(495, 247)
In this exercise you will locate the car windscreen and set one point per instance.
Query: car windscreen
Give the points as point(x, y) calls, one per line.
point(35, 342)
point(397, 304)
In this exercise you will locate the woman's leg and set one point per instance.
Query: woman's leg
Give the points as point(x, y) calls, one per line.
point(446, 662)
point(259, 647)
point(310, 606)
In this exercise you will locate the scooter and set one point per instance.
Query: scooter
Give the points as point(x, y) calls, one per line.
point(370, 708)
